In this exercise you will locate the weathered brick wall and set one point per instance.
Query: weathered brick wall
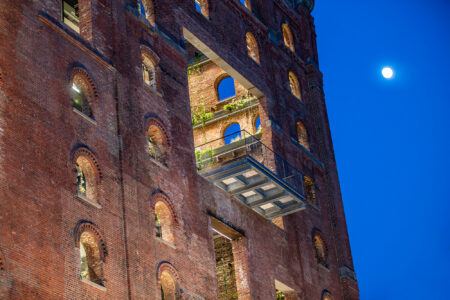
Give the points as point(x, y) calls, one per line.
point(40, 131)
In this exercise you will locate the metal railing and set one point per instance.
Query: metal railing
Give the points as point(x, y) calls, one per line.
point(216, 153)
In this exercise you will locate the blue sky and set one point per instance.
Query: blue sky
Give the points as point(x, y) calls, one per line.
point(391, 139)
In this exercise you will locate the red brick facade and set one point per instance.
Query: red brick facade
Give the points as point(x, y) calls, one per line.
point(41, 217)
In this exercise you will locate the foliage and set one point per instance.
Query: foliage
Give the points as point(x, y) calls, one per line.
point(280, 295)
point(237, 104)
point(200, 115)
point(194, 67)
point(204, 157)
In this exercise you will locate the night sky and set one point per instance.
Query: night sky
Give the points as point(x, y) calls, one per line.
point(391, 139)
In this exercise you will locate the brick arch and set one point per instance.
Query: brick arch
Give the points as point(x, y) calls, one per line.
point(218, 80)
point(161, 197)
point(153, 121)
point(146, 50)
point(81, 75)
point(87, 226)
point(85, 152)
point(167, 266)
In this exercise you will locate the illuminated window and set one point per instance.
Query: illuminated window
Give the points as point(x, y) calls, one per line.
point(252, 47)
point(157, 141)
point(326, 296)
point(302, 135)
point(232, 133)
point(320, 248)
point(71, 14)
point(164, 224)
point(294, 85)
point(226, 89)
point(90, 258)
point(149, 71)
point(310, 190)
point(168, 286)
point(288, 37)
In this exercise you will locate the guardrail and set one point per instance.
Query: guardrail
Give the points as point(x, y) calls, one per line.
point(218, 152)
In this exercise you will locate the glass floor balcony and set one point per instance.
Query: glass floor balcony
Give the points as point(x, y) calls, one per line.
point(253, 174)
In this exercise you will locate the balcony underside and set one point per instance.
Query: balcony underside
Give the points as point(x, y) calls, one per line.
point(256, 186)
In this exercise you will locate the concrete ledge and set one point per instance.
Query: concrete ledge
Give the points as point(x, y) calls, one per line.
point(89, 201)
point(345, 271)
point(89, 119)
point(93, 284)
point(166, 243)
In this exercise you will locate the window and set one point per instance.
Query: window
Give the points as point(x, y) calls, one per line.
point(246, 3)
point(310, 190)
point(149, 71)
point(146, 10)
point(202, 7)
point(320, 248)
point(80, 100)
point(326, 296)
point(294, 85)
point(232, 133)
point(226, 89)
point(157, 144)
point(163, 221)
point(71, 14)
point(168, 286)
point(86, 178)
point(91, 258)
point(302, 135)
point(252, 47)
point(288, 37)
point(258, 125)
point(284, 292)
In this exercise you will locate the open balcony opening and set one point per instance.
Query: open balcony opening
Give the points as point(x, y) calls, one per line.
point(228, 129)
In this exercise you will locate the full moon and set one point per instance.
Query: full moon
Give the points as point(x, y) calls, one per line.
point(387, 72)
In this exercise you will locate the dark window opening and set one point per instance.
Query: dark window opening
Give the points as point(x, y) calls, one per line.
point(71, 14)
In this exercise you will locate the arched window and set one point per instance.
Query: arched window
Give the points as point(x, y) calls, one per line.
point(326, 296)
point(302, 135)
point(288, 37)
point(310, 190)
point(149, 71)
point(168, 286)
point(156, 144)
point(86, 178)
point(252, 47)
point(164, 224)
point(226, 89)
point(157, 141)
point(146, 9)
point(202, 7)
point(80, 98)
point(246, 3)
point(320, 248)
point(232, 133)
point(88, 175)
point(83, 90)
point(92, 253)
point(295, 85)
point(258, 125)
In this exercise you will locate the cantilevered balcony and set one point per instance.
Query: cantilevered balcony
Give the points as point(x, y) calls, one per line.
point(253, 174)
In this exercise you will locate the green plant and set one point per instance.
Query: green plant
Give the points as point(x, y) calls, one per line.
point(200, 115)
point(204, 157)
point(236, 104)
point(280, 295)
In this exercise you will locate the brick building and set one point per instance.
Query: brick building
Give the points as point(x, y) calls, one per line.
point(162, 149)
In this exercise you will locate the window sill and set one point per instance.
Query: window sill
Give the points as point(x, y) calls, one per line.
point(153, 90)
point(84, 116)
point(89, 201)
point(160, 164)
point(166, 243)
point(324, 267)
point(307, 152)
point(93, 284)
